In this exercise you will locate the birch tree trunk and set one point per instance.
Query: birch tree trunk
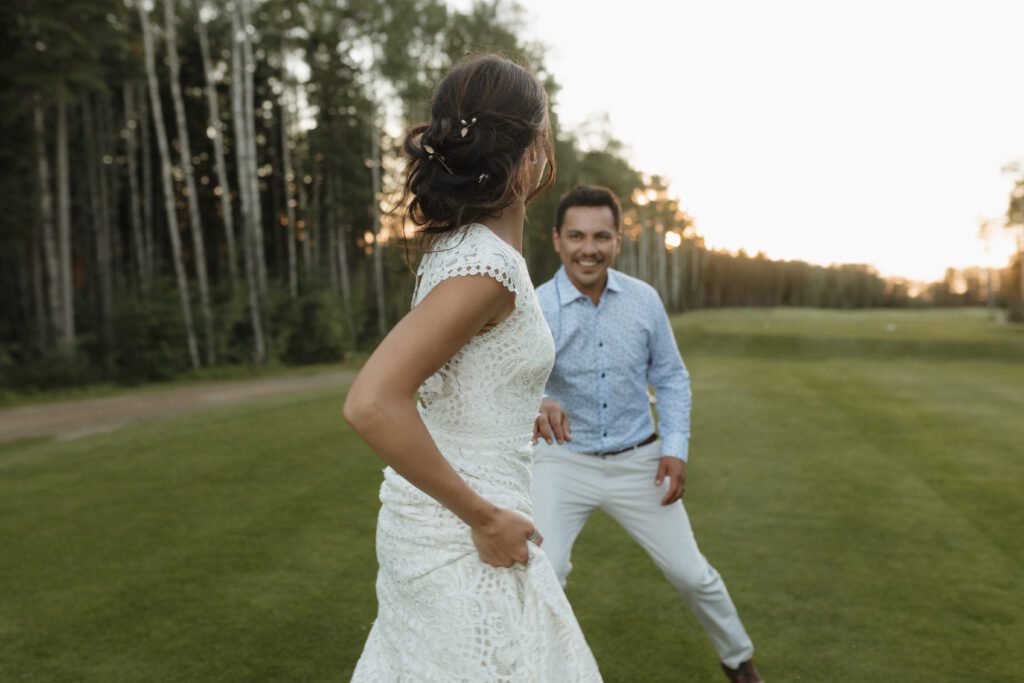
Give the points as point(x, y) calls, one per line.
point(38, 290)
point(134, 201)
point(330, 236)
point(66, 340)
point(168, 186)
point(100, 223)
point(289, 185)
point(636, 253)
point(625, 259)
point(701, 263)
point(217, 131)
point(188, 169)
point(345, 281)
point(110, 187)
point(645, 253)
point(148, 224)
point(51, 258)
point(378, 246)
point(252, 154)
point(677, 278)
point(302, 223)
point(662, 265)
point(312, 230)
point(244, 186)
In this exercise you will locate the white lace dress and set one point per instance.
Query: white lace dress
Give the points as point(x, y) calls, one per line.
point(443, 615)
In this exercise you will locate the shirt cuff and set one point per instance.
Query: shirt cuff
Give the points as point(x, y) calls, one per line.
point(675, 445)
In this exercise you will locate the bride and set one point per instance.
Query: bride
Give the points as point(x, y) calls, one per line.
point(464, 592)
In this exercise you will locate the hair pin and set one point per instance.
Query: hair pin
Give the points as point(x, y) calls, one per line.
point(483, 178)
point(466, 126)
point(432, 155)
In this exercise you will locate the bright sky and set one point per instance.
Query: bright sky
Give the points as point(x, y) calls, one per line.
point(867, 132)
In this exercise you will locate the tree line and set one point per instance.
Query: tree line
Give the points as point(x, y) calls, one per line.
point(190, 184)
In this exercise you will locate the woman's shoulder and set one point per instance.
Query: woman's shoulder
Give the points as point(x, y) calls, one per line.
point(472, 249)
point(473, 243)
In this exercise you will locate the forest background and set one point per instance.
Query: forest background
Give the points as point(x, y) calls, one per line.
point(192, 185)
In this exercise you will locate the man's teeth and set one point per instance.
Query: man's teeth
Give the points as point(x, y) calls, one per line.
point(588, 263)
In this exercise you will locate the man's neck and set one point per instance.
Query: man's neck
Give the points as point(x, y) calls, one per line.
point(595, 291)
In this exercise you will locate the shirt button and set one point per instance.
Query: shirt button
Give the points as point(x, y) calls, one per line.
point(600, 343)
point(604, 405)
point(605, 434)
point(602, 375)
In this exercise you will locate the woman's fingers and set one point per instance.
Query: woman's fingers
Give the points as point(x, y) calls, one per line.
point(504, 542)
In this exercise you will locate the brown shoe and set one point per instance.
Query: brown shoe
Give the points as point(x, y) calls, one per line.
point(744, 673)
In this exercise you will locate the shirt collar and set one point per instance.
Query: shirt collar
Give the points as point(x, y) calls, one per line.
point(567, 292)
point(614, 282)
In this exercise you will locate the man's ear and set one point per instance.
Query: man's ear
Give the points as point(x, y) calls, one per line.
point(556, 239)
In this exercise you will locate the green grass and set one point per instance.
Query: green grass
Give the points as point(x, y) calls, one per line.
point(858, 486)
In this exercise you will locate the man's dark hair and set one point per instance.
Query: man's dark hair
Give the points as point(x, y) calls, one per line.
point(587, 195)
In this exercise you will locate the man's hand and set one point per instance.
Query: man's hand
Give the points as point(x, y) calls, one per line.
point(675, 470)
point(551, 423)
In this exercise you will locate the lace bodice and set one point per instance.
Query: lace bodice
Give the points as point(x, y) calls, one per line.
point(491, 389)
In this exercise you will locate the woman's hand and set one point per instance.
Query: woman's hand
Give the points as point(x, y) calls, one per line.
point(501, 539)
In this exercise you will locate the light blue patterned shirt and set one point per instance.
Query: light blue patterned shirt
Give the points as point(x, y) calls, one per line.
point(606, 356)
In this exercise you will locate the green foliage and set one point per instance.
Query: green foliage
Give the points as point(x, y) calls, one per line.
point(148, 334)
point(313, 329)
point(31, 373)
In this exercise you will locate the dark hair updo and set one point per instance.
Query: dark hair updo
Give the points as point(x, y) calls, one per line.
point(470, 161)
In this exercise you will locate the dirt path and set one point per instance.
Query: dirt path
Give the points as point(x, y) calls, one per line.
point(74, 419)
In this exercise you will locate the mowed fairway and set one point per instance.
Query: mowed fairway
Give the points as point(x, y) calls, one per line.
point(856, 477)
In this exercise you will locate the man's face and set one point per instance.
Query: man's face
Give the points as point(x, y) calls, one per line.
point(588, 245)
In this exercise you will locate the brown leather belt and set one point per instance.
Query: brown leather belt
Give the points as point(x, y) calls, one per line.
point(649, 440)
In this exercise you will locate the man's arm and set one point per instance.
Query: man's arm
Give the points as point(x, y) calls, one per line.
point(668, 375)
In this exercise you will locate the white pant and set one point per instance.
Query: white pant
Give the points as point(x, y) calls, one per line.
point(568, 486)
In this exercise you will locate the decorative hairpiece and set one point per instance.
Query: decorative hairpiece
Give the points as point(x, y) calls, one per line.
point(484, 177)
point(434, 156)
point(466, 126)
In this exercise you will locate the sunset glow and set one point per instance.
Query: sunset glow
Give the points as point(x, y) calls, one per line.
point(852, 132)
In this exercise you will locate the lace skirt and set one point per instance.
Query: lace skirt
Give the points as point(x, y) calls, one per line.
point(445, 616)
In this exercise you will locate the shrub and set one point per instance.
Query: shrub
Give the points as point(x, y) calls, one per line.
point(312, 329)
point(149, 338)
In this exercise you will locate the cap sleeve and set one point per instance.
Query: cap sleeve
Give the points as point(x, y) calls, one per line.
point(471, 251)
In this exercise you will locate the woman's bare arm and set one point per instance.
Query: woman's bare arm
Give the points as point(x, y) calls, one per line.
point(380, 406)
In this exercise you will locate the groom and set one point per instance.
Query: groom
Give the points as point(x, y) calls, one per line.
point(599, 448)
